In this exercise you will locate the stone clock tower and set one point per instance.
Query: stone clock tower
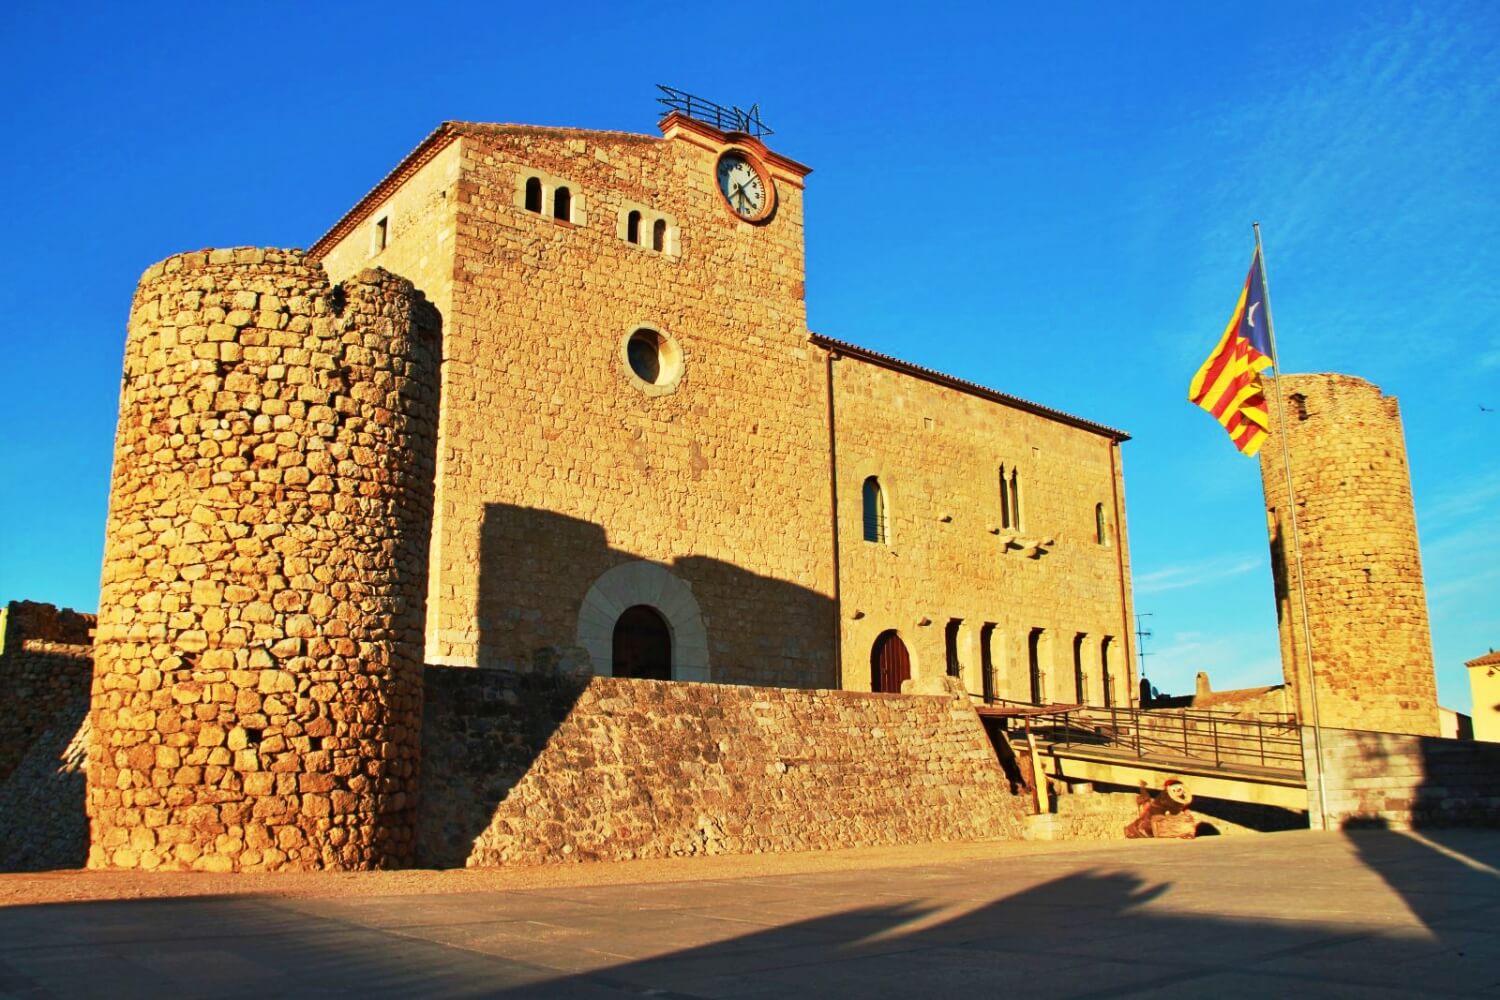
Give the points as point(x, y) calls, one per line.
point(619, 312)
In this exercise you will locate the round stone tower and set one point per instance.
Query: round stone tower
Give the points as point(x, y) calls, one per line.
point(1367, 606)
point(258, 658)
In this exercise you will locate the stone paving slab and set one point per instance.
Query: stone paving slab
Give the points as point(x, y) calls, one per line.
point(1299, 914)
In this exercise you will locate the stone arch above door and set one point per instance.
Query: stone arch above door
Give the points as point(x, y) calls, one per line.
point(654, 585)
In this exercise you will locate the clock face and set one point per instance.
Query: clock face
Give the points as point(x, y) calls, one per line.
point(745, 188)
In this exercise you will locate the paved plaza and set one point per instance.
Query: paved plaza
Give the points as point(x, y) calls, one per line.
point(1369, 914)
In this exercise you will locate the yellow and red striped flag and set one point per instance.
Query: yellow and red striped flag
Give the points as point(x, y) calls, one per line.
point(1228, 384)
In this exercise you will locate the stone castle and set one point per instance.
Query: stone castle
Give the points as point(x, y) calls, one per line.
point(586, 431)
point(413, 537)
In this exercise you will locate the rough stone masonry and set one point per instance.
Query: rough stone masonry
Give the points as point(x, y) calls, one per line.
point(257, 688)
point(1366, 602)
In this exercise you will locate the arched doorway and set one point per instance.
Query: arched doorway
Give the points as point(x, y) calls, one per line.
point(668, 595)
point(642, 644)
point(889, 664)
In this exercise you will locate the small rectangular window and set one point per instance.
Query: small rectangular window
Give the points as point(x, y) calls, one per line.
point(382, 227)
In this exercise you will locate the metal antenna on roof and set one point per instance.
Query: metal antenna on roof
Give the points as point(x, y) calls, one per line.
point(1142, 633)
point(733, 119)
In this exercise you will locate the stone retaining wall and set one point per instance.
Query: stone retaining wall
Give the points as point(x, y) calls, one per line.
point(1103, 815)
point(530, 768)
point(1401, 781)
point(45, 664)
point(617, 769)
point(42, 822)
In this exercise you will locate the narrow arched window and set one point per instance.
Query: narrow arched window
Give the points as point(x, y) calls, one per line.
point(1005, 518)
point(633, 227)
point(950, 643)
point(562, 204)
point(1099, 535)
point(874, 511)
point(659, 235)
point(1015, 500)
point(987, 662)
point(534, 194)
point(1034, 666)
point(1080, 682)
point(1104, 675)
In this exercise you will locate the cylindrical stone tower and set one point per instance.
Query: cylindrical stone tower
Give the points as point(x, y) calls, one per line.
point(258, 659)
point(1367, 605)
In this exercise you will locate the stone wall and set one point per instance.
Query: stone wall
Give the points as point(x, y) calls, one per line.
point(518, 768)
point(42, 821)
point(257, 691)
point(559, 464)
point(1367, 606)
point(1402, 781)
point(559, 467)
point(45, 664)
point(949, 553)
point(1100, 815)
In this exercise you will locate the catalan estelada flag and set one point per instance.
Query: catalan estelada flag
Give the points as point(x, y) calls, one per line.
point(1228, 384)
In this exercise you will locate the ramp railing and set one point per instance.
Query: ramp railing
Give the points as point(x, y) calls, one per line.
point(1177, 737)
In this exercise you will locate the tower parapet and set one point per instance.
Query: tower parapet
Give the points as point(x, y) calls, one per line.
point(1366, 603)
point(258, 676)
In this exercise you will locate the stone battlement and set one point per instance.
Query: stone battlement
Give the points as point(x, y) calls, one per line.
point(44, 665)
point(23, 622)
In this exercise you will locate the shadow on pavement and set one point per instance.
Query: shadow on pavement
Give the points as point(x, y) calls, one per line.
point(1220, 924)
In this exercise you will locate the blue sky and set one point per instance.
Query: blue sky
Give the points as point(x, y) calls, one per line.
point(1054, 204)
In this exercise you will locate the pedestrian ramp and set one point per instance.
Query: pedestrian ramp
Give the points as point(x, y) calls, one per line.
point(1255, 761)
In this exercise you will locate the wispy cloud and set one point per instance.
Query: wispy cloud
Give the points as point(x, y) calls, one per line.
point(1230, 660)
point(1463, 505)
point(1196, 574)
point(1380, 149)
point(1458, 529)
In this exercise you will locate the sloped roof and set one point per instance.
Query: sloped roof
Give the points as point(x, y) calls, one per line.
point(435, 143)
point(1490, 659)
point(962, 385)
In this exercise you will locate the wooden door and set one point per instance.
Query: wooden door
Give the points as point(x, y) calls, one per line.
point(889, 664)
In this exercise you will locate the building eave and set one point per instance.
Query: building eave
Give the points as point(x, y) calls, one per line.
point(846, 349)
point(428, 148)
point(434, 144)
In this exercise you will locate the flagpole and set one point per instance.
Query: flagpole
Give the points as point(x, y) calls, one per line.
point(1291, 507)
